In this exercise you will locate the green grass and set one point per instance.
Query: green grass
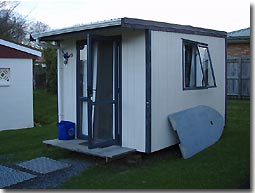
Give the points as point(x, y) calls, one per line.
point(223, 165)
point(25, 144)
point(45, 107)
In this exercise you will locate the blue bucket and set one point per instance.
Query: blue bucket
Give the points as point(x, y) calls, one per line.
point(66, 130)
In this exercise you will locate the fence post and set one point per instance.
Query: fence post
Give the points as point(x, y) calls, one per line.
point(241, 77)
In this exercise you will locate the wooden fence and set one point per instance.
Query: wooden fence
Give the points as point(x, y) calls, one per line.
point(238, 77)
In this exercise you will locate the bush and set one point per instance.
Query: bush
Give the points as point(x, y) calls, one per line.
point(50, 57)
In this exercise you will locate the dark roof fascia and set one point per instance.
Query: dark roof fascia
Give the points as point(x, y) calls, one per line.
point(20, 47)
point(67, 35)
point(131, 23)
point(20, 44)
point(59, 37)
point(52, 35)
point(162, 26)
point(9, 52)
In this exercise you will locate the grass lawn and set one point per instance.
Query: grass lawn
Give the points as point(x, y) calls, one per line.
point(25, 144)
point(223, 165)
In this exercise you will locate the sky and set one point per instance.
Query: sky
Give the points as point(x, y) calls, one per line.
point(224, 15)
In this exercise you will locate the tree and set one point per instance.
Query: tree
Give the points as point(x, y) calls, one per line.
point(15, 27)
point(12, 25)
point(34, 28)
point(50, 58)
point(49, 55)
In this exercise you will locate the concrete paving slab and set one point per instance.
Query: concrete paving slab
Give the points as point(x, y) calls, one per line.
point(9, 176)
point(43, 165)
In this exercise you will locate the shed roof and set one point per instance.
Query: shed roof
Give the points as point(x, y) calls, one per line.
point(20, 47)
point(131, 23)
point(242, 35)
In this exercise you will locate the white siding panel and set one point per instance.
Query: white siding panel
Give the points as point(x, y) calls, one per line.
point(133, 89)
point(167, 93)
point(16, 100)
point(69, 83)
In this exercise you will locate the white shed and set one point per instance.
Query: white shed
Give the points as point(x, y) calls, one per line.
point(16, 85)
point(118, 80)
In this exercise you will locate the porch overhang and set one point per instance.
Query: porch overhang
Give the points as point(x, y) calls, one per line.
point(59, 33)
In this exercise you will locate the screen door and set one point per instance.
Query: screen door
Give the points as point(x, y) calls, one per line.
point(102, 90)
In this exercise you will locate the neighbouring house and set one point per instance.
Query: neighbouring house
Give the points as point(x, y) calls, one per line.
point(16, 85)
point(238, 63)
point(119, 80)
point(238, 43)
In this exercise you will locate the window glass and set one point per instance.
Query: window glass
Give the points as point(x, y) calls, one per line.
point(189, 66)
point(83, 70)
point(198, 71)
point(207, 66)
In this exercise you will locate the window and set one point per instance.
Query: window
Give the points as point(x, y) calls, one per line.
point(197, 66)
point(4, 76)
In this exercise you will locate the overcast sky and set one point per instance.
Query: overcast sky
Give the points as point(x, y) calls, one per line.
point(225, 15)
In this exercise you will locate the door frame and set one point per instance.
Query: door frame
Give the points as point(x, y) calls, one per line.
point(79, 99)
point(118, 91)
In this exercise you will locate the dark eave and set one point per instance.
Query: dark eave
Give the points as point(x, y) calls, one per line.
point(57, 34)
point(163, 26)
point(129, 23)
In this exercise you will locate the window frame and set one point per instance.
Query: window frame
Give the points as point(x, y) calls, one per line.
point(196, 45)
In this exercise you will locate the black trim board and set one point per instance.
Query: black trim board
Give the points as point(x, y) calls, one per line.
point(79, 99)
point(163, 26)
point(120, 91)
point(225, 118)
point(132, 23)
point(77, 90)
point(148, 91)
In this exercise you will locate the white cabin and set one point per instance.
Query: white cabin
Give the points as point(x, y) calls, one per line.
point(16, 85)
point(118, 80)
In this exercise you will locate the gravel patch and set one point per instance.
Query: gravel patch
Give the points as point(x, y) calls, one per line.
point(53, 179)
